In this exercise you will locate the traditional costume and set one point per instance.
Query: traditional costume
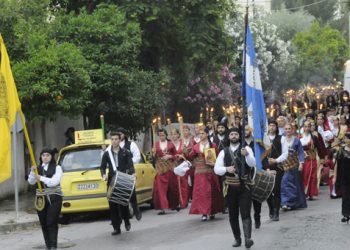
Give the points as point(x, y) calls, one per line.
point(136, 158)
point(343, 179)
point(166, 188)
point(313, 146)
point(117, 160)
point(279, 151)
point(182, 180)
point(292, 190)
point(51, 197)
point(237, 188)
point(207, 198)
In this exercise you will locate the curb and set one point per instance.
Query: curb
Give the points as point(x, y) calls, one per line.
point(8, 228)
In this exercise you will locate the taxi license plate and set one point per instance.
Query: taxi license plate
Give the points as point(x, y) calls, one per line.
point(88, 186)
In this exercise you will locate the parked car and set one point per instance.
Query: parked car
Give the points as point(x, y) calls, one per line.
point(82, 185)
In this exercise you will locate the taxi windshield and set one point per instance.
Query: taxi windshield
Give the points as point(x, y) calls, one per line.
point(81, 159)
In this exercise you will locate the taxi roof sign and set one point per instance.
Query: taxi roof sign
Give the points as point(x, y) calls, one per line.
point(89, 136)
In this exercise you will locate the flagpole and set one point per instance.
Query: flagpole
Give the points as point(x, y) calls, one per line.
point(15, 169)
point(244, 95)
point(29, 145)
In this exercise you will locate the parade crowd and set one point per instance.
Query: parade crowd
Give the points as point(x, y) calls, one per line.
point(307, 145)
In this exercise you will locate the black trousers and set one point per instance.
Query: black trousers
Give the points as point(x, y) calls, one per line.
point(48, 218)
point(239, 201)
point(257, 210)
point(274, 200)
point(133, 202)
point(345, 205)
point(118, 212)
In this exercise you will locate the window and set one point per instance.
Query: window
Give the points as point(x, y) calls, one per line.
point(81, 159)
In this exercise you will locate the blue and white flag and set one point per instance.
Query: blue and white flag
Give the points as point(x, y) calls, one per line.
point(257, 118)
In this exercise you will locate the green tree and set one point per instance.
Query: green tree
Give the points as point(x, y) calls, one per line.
point(185, 39)
point(111, 44)
point(289, 23)
point(53, 81)
point(321, 52)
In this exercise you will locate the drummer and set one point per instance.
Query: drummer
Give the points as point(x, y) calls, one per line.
point(136, 158)
point(117, 158)
point(237, 181)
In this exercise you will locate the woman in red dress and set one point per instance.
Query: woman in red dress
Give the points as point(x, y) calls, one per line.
point(313, 145)
point(165, 191)
point(207, 198)
point(181, 180)
point(188, 146)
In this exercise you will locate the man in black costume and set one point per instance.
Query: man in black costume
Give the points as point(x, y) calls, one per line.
point(236, 163)
point(117, 159)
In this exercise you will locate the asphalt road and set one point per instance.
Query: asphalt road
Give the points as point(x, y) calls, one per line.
point(317, 227)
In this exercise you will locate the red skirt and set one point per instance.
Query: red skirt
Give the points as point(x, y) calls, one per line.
point(166, 191)
point(183, 190)
point(310, 177)
point(207, 197)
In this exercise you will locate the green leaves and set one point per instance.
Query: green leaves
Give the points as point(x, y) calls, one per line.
point(54, 81)
point(322, 52)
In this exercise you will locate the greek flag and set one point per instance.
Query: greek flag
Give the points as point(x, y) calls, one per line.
point(257, 118)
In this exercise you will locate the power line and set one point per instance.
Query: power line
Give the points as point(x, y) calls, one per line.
point(303, 6)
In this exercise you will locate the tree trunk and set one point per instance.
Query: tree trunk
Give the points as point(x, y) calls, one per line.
point(42, 128)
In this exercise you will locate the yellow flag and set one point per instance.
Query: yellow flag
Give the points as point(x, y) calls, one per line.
point(9, 105)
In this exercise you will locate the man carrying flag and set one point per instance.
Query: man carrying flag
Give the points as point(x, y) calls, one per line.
point(257, 120)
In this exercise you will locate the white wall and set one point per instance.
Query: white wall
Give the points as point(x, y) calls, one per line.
point(54, 132)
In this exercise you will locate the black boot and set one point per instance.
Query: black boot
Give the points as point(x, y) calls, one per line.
point(247, 228)
point(249, 243)
point(238, 242)
point(276, 216)
point(257, 223)
point(269, 203)
point(137, 211)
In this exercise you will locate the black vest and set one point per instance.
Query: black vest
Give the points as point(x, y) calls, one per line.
point(127, 144)
point(240, 165)
point(221, 144)
point(125, 164)
point(276, 149)
point(51, 170)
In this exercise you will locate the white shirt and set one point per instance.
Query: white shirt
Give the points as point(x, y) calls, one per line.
point(203, 146)
point(284, 154)
point(163, 145)
point(49, 182)
point(305, 139)
point(281, 131)
point(115, 155)
point(326, 135)
point(134, 149)
point(220, 168)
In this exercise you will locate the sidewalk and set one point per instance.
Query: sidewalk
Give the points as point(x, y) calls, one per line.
point(27, 216)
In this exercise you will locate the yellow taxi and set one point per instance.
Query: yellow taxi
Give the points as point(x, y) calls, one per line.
point(82, 185)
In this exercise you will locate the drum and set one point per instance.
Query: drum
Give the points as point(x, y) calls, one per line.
point(291, 162)
point(163, 166)
point(121, 188)
point(264, 183)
